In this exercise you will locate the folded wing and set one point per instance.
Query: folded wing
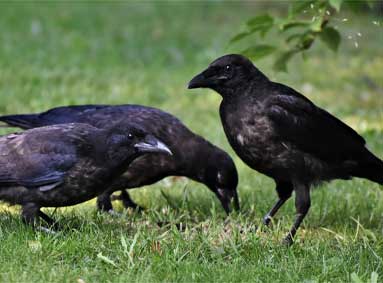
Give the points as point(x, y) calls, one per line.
point(312, 129)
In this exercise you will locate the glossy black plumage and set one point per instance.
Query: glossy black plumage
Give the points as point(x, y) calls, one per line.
point(67, 164)
point(193, 156)
point(280, 133)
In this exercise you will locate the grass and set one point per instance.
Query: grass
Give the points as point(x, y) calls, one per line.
point(59, 53)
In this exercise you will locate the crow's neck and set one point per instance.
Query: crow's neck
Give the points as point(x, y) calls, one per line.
point(250, 90)
point(247, 88)
point(195, 159)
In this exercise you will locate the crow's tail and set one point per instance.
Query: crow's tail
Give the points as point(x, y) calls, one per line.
point(370, 168)
point(25, 121)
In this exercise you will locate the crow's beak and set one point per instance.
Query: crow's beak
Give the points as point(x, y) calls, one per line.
point(198, 81)
point(152, 144)
point(229, 200)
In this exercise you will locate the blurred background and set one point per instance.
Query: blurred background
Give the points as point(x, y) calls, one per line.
point(63, 53)
point(77, 52)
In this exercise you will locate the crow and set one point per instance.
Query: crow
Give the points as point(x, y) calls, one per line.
point(193, 156)
point(67, 164)
point(282, 134)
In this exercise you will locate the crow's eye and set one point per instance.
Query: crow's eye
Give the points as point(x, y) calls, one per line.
point(130, 136)
point(228, 69)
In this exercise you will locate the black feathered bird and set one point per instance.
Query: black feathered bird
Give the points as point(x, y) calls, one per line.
point(193, 156)
point(280, 133)
point(67, 164)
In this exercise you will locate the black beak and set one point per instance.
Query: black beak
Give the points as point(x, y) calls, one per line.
point(198, 81)
point(152, 144)
point(229, 200)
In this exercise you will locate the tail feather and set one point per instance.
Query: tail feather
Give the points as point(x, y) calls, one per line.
point(25, 121)
point(371, 168)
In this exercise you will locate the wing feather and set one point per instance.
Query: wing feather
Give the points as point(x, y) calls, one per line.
point(39, 157)
point(313, 129)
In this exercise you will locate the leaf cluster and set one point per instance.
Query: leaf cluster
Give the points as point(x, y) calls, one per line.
point(304, 23)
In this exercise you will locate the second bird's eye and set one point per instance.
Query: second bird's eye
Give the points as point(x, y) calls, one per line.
point(227, 67)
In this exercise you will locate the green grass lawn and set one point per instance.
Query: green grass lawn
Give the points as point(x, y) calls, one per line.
point(60, 54)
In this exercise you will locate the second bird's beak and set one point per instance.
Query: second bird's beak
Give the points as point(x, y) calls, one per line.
point(198, 81)
point(152, 144)
point(229, 200)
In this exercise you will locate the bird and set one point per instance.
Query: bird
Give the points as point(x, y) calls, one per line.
point(193, 156)
point(66, 164)
point(280, 133)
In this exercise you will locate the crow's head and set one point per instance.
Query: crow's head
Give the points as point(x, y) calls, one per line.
point(222, 178)
point(128, 141)
point(227, 74)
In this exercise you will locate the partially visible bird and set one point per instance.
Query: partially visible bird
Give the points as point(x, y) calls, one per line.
point(193, 156)
point(282, 134)
point(67, 164)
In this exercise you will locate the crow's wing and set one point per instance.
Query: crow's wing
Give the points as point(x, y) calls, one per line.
point(312, 129)
point(42, 178)
point(100, 116)
point(54, 116)
point(153, 120)
point(38, 158)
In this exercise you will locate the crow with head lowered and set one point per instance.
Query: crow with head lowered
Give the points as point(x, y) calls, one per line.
point(67, 164)
point(282, 134)
point(193, 156)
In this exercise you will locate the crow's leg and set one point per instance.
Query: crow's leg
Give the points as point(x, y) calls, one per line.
point(104, 203)
point(47, 219)
point(128, 202)
point(31, 214)
point(302, 205)
point(284, 190)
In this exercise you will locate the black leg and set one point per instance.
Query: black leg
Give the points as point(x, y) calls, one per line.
point(284, 190)
point(30, 213)
point(128, 202)
point(302, 205)
point(47, 219)
point(104, 203)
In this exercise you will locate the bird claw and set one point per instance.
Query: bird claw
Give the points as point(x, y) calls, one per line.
point(46, 230)
point(114, 213)
point(288, 241)
point(266, 220)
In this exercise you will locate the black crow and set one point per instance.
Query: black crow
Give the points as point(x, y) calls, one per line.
point(67, 164)
point(280, 133)
point(193, 156)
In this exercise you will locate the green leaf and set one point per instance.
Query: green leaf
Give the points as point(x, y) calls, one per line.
point(295, 36)
point(330, 37)
point(281, 63)
point(291, 25)
point(258, 51)
point(262, 20)
point(240, 36)
point(124, 243)
point(355, 278)
point(305, 41)
point(298, 6)
point(262, 23)
point(106, 259)
point(374, 277)
point(336, 4)
point(316, 24)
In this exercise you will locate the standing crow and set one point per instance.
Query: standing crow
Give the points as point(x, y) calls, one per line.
point(193, 156)
point(280, 133)
point(67, 164)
